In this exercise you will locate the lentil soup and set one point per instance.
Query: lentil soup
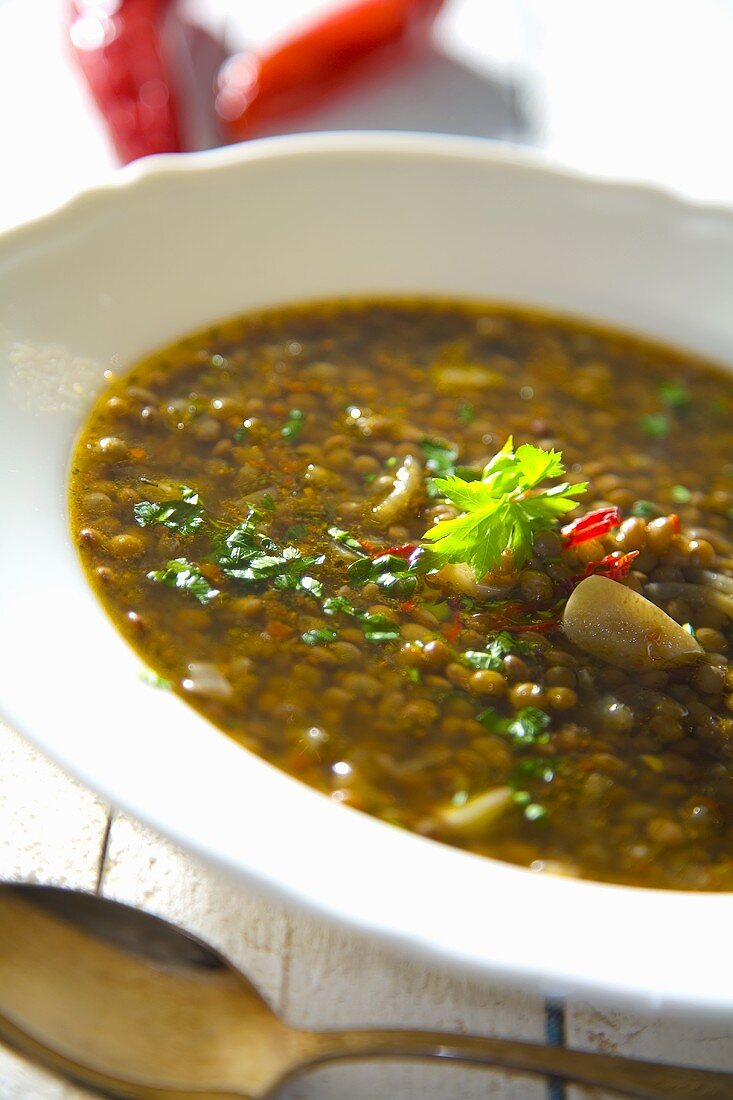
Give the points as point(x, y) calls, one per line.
point(466, 568)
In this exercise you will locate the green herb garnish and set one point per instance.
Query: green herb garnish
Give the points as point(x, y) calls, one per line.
point(675, 395)
point(389, 572)
point(534, 767)
point(535, 812)
point(502, 511)
point(527, 727)
point(183, 574)
point(496, 650)
point(153, 679)
point(251, 557)
point(655, 425)
point(466, 412)
point(347, 540)
point(321, 636)
point(440, 457)
point(376, 628)
point(185, 516)
point(680, 494)
point(644, 509)
point(293, 425)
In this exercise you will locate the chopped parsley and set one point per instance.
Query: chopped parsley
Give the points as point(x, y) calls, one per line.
point(183, 574)
point(347, 540)
point(644, 509)
point(502, 511)
point(153, 679)
point(376, 628)
point(321, 636)
point(184, 516)
point(251, 557)
point(680, 494)
point(496, 650)
point(527, 727)
point(655, 425)
point(440, 457)
point(533, 811)
point(440, 460)
point(533, 767)
point(675, 395)
point(293, 425)
point(389, 572)
point(466, 412)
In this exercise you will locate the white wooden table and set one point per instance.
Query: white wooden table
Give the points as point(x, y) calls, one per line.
point(593, 103)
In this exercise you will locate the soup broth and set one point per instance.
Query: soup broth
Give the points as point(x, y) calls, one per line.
point(258, 508)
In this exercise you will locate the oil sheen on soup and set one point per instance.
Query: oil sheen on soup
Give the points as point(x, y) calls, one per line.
point(468, 569)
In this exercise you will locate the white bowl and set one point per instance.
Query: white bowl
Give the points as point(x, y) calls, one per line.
point(176, 243)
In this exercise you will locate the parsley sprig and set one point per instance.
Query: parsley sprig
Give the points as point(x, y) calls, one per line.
point(502, 511)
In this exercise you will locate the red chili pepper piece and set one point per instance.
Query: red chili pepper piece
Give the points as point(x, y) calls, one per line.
point(452, 631)
point(675, 523)
point(405, 550)
point(614, 566)
point(547, 624)
point(591, 526)
point(254, 89)
point(119, 49)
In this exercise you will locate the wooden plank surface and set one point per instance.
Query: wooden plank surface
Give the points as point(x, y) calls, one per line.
point(318, 976)
point(51, 831)
point(706, 1041)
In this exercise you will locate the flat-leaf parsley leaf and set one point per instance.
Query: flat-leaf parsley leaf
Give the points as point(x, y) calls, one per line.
point(180, 573)
point(502, 511)
point(184, 516)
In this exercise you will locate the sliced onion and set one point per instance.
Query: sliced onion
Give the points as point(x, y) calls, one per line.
point(206, 680)
point(478, 813)
point(408, 489)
